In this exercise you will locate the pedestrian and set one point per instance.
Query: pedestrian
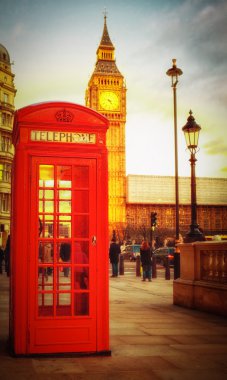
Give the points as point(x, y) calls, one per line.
point(145, 257)
point(65, 254)
point(123, 247)
point(48, 258)
point(81, 279)
point(1, 259)
point(114, 252)
point(7, 256)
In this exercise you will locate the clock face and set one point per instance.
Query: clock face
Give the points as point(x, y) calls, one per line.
point(109, 100)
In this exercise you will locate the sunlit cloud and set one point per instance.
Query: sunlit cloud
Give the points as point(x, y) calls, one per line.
point(216, 147)
point(18, 30)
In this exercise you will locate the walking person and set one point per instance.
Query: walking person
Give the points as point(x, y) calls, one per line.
point(7, 256)
point(65, 254)
point(114, 252)
point(1, 259)
point(145, 257)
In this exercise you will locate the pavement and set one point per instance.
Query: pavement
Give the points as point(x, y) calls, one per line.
point(150, 339)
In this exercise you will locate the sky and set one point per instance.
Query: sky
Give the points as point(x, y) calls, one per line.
point(53, 46)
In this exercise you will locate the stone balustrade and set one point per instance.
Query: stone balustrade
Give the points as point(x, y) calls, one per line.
point(203, 280)
point(213, 265)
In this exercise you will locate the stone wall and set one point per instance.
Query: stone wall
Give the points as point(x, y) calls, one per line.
point(203, 277)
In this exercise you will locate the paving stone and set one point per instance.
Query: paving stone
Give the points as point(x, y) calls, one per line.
point(150, 339)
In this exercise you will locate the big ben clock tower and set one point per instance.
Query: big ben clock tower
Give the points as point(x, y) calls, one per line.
point(106, 93)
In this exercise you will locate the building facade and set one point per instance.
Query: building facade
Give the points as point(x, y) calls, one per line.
point(7, 95)
point(146, 194)
point(106, 93)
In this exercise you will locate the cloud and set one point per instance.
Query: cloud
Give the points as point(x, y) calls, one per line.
point(216, 147)
point(210, 31)
point(18, 30)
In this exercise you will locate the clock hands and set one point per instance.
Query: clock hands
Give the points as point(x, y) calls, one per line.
point(109, 100)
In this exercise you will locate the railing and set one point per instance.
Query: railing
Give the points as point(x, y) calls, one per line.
point(213, 266)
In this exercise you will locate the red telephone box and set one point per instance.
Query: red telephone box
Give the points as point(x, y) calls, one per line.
point(59, 237)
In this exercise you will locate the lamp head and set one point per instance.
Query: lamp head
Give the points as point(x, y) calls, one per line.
point(191, 132)
point(174, 72)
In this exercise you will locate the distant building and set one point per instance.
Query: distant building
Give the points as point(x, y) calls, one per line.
point(161, 190)
point(146, 194)
point(7, 95)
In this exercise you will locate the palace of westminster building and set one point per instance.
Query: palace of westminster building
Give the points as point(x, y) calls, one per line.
point(132, 198)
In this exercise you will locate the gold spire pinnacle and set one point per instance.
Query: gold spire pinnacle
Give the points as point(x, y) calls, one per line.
point(105, 15)
point(105, 40)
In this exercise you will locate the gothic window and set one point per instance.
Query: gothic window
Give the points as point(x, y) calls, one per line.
point(5, 143)
point(5, 172)
point(3, 118)
point(8, 173)
point(8, 119)
point(6, 98)
point(4, 202)
point(144, 221)
point(206, 223)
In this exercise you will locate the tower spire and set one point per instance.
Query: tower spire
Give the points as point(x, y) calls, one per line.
point(105, 15)
point(105, 40)
point(106, 93)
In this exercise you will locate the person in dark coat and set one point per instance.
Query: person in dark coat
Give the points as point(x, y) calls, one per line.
point(65, 253)
point(114, 252)
point(7, 256)
point(1, 259)
point(145, 257)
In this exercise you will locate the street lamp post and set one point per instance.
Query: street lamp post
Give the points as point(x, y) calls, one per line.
point(174, 72)
point(191, 132)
